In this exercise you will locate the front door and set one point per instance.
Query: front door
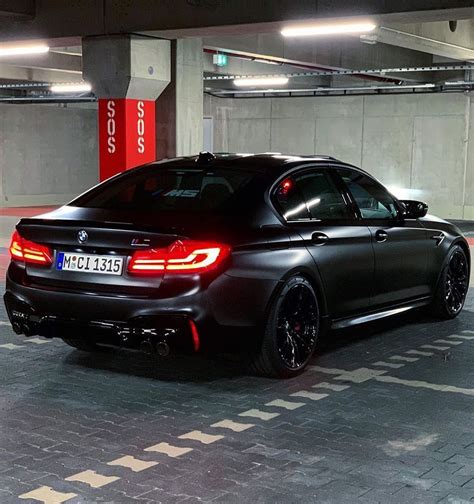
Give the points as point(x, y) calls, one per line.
point(401, 247)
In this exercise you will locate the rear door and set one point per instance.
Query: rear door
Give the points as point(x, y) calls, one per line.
point(323, 220)
point(401, 246)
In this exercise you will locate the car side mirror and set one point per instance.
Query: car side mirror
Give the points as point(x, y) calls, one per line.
point(412, 209)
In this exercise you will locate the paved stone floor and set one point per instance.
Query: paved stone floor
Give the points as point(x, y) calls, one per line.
point(385, 414)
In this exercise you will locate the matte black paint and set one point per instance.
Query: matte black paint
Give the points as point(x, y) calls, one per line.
point(360, 269)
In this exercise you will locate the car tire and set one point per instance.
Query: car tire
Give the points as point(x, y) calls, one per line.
point(81, 344)
point(291, 331)
point(452, 286)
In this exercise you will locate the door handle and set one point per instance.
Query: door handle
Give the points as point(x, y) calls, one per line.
point(381, 236)
point(319, 239)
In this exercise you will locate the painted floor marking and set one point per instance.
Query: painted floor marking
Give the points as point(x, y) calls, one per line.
point(47, 495)
point(167, 449)
point(417, 352)
point(92, 479)
point(11, 346)
point(357, 376)
point(427, 385)
point(388, 364)
point(447, 342)
point(309, 395)
point(201, 437)
point(331, 386)
point(262, 415)
point(5, 323)
point(280, 403)
point(433, 347)
point(37, 341)
point(404, 359)
point(233, 426)
point(361, 375)
point(468, 331)
point(132, 463)
point(467, 338)
point(333, 371)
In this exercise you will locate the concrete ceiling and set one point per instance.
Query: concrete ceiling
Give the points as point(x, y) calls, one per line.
point(77, 18)
point(411, 33)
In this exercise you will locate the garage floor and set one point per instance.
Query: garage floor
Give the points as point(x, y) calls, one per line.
point(384, 414)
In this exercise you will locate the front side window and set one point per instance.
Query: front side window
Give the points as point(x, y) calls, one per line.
point(311, 195)
point(373, 200)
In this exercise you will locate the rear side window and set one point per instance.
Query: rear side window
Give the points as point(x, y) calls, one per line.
point(161, 189)
point(311, 195)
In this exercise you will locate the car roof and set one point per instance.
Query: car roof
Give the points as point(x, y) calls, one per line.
point(271, 163)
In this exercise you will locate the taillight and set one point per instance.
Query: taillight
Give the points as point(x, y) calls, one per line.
point(29, 252)
point(180, 257)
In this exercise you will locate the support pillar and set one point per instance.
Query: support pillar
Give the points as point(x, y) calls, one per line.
point(127, 74)
point(179, 120)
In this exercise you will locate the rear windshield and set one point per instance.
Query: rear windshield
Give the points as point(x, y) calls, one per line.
point(163, 189)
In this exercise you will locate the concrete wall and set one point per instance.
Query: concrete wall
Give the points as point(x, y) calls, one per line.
point(48, 153)
point(421, 146)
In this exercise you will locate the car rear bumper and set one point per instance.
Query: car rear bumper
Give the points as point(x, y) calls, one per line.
point(227, 303)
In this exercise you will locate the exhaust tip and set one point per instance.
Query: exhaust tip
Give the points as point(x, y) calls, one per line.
point(147, 347)
point(17, 329)
point(162, 349)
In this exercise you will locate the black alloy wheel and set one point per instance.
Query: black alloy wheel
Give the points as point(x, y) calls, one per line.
point(457, 282)
point(291, 332)
point(297, 328)
point(452, 286)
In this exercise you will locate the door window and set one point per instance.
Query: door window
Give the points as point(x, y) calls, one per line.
point(311, 195)
point(372, 199)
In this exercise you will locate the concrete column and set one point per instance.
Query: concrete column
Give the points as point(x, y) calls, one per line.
point(127, 74)
point(179, 119)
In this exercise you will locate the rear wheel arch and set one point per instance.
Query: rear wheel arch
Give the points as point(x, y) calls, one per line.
point(313, 279)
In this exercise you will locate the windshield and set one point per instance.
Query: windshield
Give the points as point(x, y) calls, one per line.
point(160, 189)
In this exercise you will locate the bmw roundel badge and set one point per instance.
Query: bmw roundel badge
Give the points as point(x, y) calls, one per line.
point(82, 236)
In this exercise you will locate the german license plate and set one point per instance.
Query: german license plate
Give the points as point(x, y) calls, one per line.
point(86, 263)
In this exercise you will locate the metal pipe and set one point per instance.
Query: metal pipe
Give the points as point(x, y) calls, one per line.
point(295, 75)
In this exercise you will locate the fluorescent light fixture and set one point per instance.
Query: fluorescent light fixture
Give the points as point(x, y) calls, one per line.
point(23, 50)
point(80, 87)
point(267, 61)
point(261, 81)
point(328, 29)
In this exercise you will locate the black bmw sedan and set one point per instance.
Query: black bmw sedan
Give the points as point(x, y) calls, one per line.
point(200, 251)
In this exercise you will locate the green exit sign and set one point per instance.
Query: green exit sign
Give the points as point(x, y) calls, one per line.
point(220, 60)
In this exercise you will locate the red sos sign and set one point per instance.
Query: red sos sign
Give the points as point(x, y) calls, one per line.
point(126, 134)
point(111, 127)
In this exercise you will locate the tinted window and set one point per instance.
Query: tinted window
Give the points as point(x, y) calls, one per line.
point(311, 195)
point(160, 189)
point(372, 199)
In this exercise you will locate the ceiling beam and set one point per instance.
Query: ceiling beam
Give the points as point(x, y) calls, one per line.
point(14, 73)
point(51, 61)
point(421, 43)
point(17, 8)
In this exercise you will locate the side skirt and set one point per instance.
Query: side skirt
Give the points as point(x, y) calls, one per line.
point(386, 312)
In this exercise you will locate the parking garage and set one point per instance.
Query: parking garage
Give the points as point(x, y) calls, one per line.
point(383, 411)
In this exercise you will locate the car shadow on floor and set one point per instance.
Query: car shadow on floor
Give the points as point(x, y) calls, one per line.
point(218, 367)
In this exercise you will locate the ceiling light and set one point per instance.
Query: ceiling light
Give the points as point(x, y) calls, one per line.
point(328, 29)
point(267, 61)
point(23, 50)
point(262, 81)
point(80, 87)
